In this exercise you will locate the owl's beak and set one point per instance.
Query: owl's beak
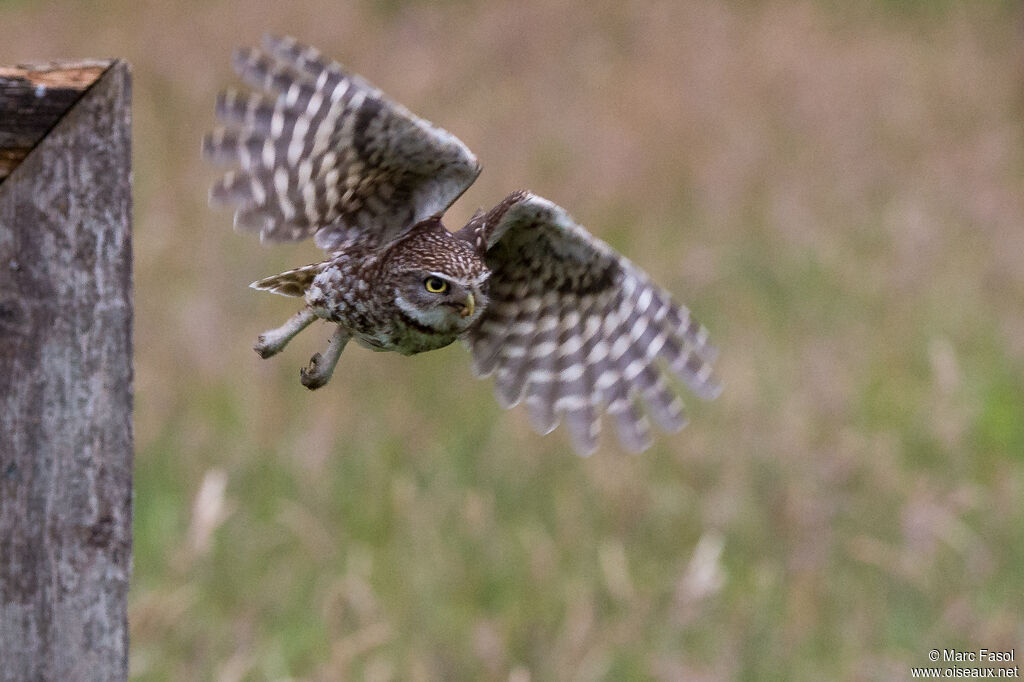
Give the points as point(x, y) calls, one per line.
point(468, 306)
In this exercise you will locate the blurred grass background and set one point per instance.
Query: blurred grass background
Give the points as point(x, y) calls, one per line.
point(836, 191)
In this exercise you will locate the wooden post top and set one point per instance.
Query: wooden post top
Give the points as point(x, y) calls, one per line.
point(33, 97)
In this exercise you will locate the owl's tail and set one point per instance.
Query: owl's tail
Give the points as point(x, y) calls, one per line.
point(292, 282)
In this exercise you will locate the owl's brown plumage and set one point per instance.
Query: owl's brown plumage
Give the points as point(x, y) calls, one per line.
point(561, 320)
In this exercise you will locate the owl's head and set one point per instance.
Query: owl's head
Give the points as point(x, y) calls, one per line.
point(439, 281)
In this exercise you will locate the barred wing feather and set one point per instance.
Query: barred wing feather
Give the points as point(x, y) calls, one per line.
point(573, 329)
point(322, 152)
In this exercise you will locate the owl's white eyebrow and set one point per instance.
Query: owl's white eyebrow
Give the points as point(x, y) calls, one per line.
point(480, 279)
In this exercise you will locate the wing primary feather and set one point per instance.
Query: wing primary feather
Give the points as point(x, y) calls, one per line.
point(647, 338)
point(631, 425)
point(507, 303)
point(576, 396)
point(542, 373)
point(510, 379)
point(685, 362)
point(263, 72)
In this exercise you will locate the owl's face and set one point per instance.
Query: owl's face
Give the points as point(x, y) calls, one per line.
point(439, 281)
point(440, 301)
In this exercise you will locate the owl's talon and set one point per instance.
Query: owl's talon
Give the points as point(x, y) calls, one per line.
point(312, 376)
point(321, 367)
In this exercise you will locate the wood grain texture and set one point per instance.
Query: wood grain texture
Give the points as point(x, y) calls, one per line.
point(66, 395)
point(33, 97)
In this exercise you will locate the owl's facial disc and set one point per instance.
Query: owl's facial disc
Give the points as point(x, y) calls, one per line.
point(439, 301)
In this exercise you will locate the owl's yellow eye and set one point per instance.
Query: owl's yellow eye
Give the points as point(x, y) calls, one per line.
point(435, 285)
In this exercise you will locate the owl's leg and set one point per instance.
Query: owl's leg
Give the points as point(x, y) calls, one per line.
point(321, 367)
point(273, 342)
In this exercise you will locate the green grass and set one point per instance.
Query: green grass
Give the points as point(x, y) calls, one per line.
point(835, 193)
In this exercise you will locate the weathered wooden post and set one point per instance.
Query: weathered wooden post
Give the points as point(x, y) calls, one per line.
point(65, 371)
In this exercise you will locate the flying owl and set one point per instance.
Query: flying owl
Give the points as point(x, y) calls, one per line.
point(562, 321)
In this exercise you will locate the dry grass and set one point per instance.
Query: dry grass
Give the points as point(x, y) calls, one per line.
point(837, 192)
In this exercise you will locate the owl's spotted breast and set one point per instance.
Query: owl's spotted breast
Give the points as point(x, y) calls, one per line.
point(380, 295)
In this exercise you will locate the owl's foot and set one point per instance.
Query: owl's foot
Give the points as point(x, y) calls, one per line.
point(321, 366)
point(273, 342)
point(313, 376)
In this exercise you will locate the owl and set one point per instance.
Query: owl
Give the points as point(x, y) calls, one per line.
point(563, 322)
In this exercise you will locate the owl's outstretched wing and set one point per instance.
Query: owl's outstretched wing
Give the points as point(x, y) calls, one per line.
point(573, 327)
point(322, 152)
